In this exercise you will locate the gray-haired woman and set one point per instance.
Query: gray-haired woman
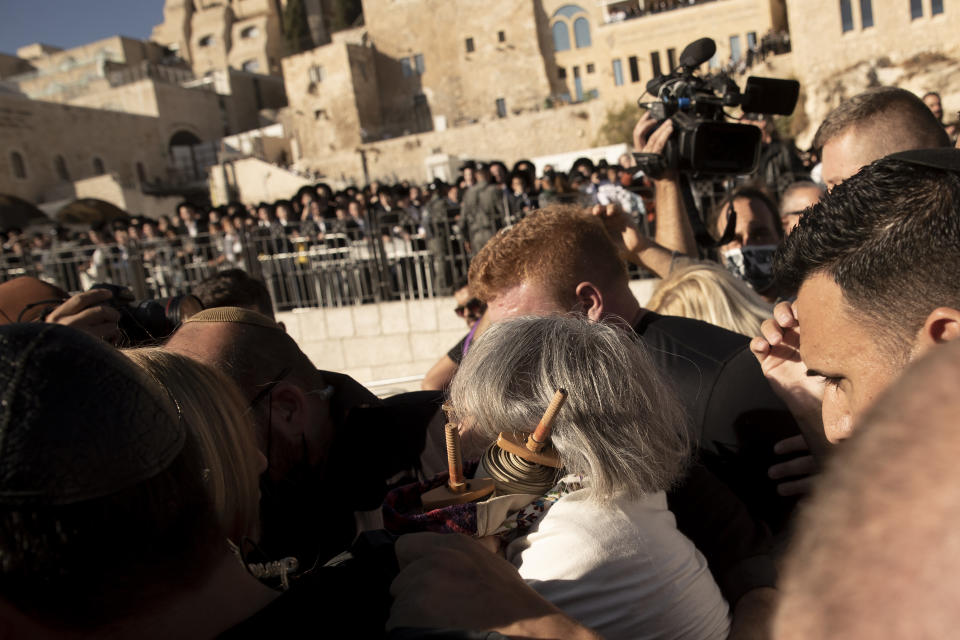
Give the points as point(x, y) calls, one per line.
point(604, 547)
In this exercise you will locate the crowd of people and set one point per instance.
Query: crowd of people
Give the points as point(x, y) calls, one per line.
point(448, 221)
point(641, 8)
point(782, 405)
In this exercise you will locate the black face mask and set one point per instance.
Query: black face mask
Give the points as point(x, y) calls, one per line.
point(753, 264)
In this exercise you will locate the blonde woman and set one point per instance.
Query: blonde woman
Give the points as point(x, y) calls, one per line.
point(706, 291)
point(214, 411)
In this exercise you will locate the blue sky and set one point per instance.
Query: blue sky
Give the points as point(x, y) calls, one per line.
point(69, 23)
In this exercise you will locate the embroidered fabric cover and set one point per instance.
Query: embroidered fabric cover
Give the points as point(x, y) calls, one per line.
point(509, 516)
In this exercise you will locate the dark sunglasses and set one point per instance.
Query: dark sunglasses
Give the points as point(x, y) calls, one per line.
point(473, 305)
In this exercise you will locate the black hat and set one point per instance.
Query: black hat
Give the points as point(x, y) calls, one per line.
point(78, 420)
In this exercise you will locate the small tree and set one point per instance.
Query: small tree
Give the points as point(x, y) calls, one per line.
point(618, 125)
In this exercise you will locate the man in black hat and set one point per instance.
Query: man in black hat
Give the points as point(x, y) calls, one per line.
point(483, 210)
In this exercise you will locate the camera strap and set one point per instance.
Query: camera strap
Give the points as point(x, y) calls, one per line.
point(700, 233)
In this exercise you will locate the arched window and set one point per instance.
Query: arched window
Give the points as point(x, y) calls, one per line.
point(205, 41)
point(568, 11)
point(250, 32)
point(561, 36)
point(60, 164)
point(19, 169)
point(251, 66)
point(98, 168)
point(141, 172)
point(581, 32)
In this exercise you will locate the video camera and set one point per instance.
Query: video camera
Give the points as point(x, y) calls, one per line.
point(149, 321)
point(703, 142)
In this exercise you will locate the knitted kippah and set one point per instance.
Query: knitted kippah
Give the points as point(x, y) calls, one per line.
point(78, 421)
point(233, 314)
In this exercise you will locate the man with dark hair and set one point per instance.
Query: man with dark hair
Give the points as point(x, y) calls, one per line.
point(871, 125)
point(749, 253)
point(933, 102)
point(186, 220)
point(235, 288)
point(876, 265)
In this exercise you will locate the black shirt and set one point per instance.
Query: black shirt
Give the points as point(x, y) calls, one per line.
point(735, 415)
point(456, 353)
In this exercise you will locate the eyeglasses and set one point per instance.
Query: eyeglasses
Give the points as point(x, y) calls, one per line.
point(267, 388)
point(474, 305)
point(325, 393)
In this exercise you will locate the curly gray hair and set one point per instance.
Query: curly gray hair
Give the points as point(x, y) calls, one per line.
point(621, 426)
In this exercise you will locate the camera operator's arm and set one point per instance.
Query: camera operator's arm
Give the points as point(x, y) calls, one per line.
point(86, 312)
point(673, 227)
point(633, 245)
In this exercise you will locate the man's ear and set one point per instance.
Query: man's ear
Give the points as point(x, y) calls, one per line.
point(288, 410)
point(941, 326)
point(590, 300)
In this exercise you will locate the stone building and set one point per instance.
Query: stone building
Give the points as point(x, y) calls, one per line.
point(115, 76)
point(847, 46)
point(424, 67)
point(843, 33)
point(53, 153)
point(238, 34)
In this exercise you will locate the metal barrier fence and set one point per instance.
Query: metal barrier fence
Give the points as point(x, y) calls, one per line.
point(337, 269)
point(323, 263)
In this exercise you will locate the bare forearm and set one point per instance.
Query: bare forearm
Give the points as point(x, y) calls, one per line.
point(651, 256)
point(440, 375)
point(674, 232)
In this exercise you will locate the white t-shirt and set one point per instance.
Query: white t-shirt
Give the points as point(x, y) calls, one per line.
point(622, 568)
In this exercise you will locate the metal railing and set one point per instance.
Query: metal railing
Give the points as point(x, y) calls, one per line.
point(333, 270)
point(410, 254)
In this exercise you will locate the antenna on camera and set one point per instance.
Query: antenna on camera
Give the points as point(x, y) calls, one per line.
point(697, 52)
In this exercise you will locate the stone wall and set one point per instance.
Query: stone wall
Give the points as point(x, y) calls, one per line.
point(41, 131)
point(252, 180)
point(466, 66)
point(558, 130)
point(378, 342)
point(323, 86)
point(174, 107)
point(109, 189)
point(216, 35)
point(822, 47)
point(512, 57)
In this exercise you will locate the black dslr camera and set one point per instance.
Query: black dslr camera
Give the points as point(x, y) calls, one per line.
point(703, 142)
point(149, 321)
